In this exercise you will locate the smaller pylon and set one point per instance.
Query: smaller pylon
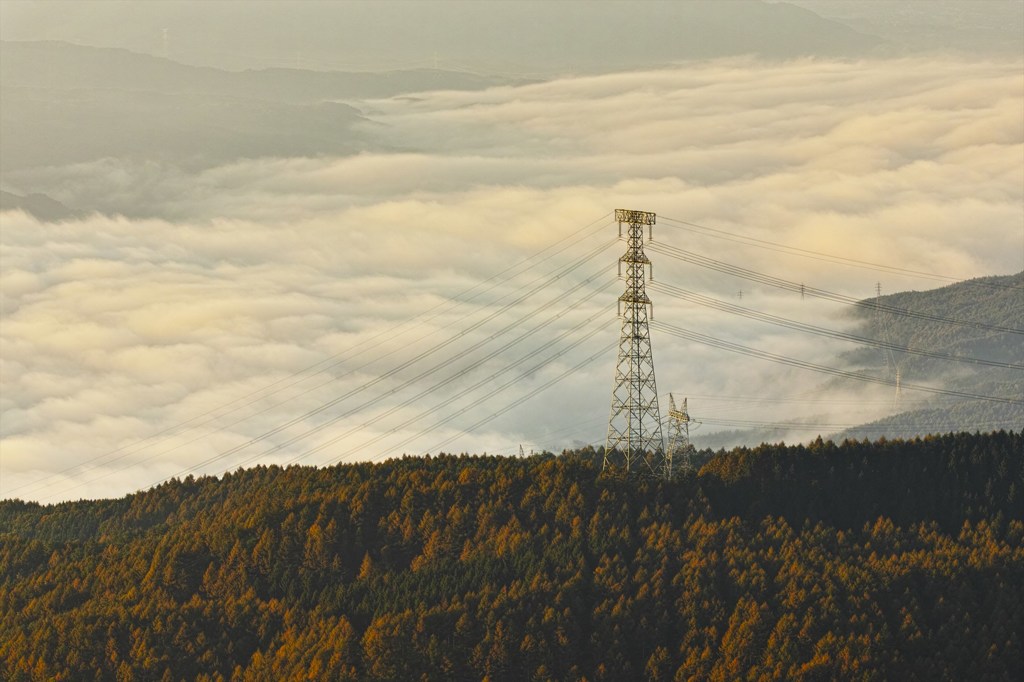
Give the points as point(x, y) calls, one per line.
point(887, 335)
point(680, 450)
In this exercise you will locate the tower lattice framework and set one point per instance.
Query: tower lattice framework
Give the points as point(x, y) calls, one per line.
point(679, 455)
point(635, 441)
point(885, 332)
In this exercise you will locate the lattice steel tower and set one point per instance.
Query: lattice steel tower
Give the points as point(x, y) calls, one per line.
point(680, 450)
point(887, 334)
point(634, 428)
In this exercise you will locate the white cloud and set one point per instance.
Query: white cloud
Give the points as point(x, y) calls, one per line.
point(118, 328)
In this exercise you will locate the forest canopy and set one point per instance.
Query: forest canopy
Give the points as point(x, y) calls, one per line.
point(853, 561)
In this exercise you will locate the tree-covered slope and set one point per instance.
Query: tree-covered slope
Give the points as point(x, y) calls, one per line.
point(860, 561)
point(981, 305)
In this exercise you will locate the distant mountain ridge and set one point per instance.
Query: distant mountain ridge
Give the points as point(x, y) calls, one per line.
point(65, 66)
point(41, 206)
point(68, 104)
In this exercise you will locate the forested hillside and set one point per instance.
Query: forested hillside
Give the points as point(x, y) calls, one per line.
point(984, 306)
point(861, 561)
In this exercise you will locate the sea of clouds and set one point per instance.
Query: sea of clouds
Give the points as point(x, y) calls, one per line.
point(190, 322)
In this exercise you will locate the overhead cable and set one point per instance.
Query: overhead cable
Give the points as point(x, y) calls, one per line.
point(803, 290)
point(818, 255)
point(763, 355)
point(748, 313)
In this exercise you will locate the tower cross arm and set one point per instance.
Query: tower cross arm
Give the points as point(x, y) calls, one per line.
point(635, 297)
point(624, 215)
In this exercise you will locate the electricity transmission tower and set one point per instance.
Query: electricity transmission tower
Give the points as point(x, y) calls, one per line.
point(634, 426)
point(886, 331)
point(680, 450)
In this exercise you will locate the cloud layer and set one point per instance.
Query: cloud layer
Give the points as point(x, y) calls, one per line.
point(179, 321)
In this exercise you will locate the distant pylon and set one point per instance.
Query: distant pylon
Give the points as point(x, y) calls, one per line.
point(887, 334)
point(679, 454)
point(634, 426)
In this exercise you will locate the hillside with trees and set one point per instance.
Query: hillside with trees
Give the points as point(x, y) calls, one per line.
point(854, 561)
point(912, 319)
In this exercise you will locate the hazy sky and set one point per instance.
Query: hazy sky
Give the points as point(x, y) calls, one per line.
point(189, 322)
point(525, 36)
point(520, 36)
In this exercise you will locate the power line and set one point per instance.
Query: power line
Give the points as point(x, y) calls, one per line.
point(794, 400)
point(761, 278)
point(826, 257)
point(576, 430)
point(716, 304)
point(795, 426)
point(436, 408)
point(449, 418)
point(572, 370)
point(444, 363)
point(459, 374)
point(544, 281)
point(451, 339)
point(338, 358)
point(763, 355)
